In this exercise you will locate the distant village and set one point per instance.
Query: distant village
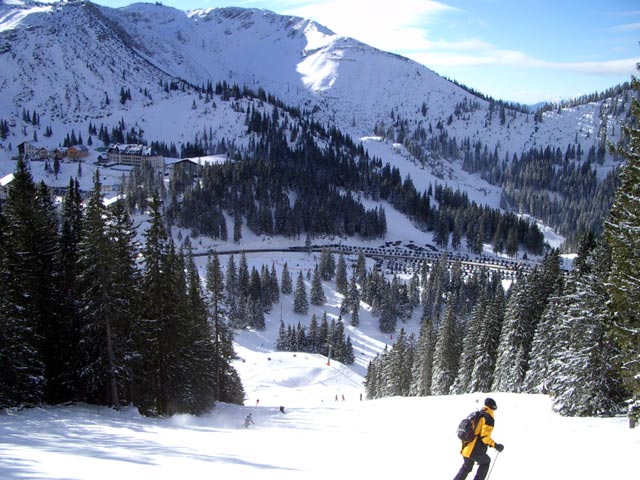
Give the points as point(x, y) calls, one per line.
point(127, 155)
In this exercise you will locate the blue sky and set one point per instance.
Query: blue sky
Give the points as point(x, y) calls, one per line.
point(518, 50)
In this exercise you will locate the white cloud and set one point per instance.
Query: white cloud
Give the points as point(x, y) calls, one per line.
point(402, 26)
point(407, 27)
point(626, 66)
point(391, 26)
point(629, 27)
point(469, 57)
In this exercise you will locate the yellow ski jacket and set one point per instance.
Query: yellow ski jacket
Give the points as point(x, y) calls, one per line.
point(483, 439)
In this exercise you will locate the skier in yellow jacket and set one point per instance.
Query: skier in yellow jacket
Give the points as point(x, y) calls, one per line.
point(476, 449)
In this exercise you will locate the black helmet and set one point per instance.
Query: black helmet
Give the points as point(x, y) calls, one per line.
point(491, 403)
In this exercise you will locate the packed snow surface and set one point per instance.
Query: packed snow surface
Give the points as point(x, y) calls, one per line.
point(316, 438)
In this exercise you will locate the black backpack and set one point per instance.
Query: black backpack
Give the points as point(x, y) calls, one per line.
point(467, 427)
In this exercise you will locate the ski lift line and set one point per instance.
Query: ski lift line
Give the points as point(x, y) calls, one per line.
point(339, 371)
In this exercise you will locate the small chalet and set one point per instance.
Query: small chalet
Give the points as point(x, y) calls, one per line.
point(59, 153)
point(76, 152)
point(187, 166)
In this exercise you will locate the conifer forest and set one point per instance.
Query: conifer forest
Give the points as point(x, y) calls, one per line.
point(90, 314)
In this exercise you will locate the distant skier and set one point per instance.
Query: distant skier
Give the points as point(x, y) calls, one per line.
point(282, 409)
point(476, 449)
point(248, 421)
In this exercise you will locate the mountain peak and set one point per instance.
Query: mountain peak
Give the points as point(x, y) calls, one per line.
point(68, 77)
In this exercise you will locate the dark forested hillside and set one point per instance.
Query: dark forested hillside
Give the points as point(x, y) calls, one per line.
point(552, 163)
point(297, 177)
point(572, 336)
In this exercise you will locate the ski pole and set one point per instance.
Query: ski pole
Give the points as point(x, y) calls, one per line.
point(493, 464)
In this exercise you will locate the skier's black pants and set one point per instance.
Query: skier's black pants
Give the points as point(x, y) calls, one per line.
point(483, 467)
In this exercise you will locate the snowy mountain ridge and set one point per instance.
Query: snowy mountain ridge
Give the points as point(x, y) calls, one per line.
point(146, 66)
point(54, 56)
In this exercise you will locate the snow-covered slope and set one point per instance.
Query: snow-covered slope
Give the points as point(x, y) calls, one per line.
point(317, 437)
point(379, 439)
point(63, 60)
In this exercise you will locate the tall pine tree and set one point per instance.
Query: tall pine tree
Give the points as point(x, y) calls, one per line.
point(28, 276)
point(621, 230)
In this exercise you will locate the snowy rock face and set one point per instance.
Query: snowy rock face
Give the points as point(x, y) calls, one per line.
point(70, 61)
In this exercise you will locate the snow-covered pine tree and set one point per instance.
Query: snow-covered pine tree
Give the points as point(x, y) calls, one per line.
point(342, 283)
point(300, 301)
point(237, 225)
point(125, 294)
point(414, 290)
point(621, 232)
point(243, 275)
point(98, 337)
point(23, 376)
point(201, 387)
point(382, 373)
point(244, 314)
point(437, 288)
point(361, 269)
point(508, 374)
point(291, 339)
point(213, 377)
point(256, 289)
point(349, 355)
point(70, 232)
point(313, 336)
point(487, 346)
point(354, 301)
point(388, 316)
point(398, 366)
point(281, 340)
point(215, 289)
point(589, 385)
point(400, 296)
point(553, 333)
point(32, 285)
point(317, 296)
point(256, 315)
point(336, 338)
point(47, 296)
point(274, 287)
point(326, 265)
point(371, 378)
point(324, 335)
point(523, 313)
point(551, 337)
point(373, 294)
point(267, 288)
point(422, 373)
point(470, 344)
point(286, 283)
point(231, 280)
point(446, 355)
point(299, 339)
point(157, 320)
point(175, 336)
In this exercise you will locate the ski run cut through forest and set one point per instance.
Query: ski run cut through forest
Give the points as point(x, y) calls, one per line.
point(316, 437)
point(348, 412)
